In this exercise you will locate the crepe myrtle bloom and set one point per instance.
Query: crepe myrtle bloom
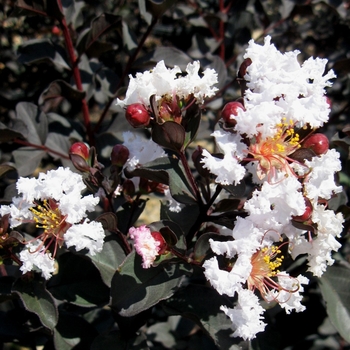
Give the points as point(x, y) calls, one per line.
point(147, 244)
point(252, 265)
point(281, 98)
point(164, 83)
point(53, 201)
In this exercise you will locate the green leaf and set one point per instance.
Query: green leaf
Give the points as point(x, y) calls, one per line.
point(52, 97)
point(38, 300)
point(38, 50)
point(202, 304)
point(99, 26)
point(109, 259)
point(73, 332)
point(335, 288)
point(182, 218)
point(78, 282)
point(27, 159)
point(135, 289)
point(10, 132)
point(35, 121)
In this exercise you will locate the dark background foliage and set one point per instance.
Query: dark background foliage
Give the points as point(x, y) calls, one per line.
point(111, 39)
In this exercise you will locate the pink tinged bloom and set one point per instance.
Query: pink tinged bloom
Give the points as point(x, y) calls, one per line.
point(147, 244)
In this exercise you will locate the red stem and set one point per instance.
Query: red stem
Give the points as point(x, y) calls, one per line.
point(44, 148)
point(76, 74)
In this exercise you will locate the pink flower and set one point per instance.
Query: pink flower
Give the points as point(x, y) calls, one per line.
point(147, 244)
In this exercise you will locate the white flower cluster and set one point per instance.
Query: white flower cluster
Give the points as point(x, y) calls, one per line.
point(281, 96)
point(162, 81)
point(53, 201)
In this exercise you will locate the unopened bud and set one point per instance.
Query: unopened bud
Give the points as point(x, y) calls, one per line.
point(79, 154)
point(307, 213)
point(318, 143)
point(119, 155)
point(230, 111)
point(137, 115)
point(162, 243)
point(80, 149)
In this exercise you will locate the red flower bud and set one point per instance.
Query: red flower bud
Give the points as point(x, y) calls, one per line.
point(137, 115)
point(56, 30)
point(159, 238)
point(119, 155)
point(317, 142)
point(229, 111)
point(307, 213)
point(80, 149)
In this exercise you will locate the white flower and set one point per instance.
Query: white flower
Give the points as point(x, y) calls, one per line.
point(141, 150)
point(88, 235)
point(54, 203)
point(35, 255)
point(290, 301)
point(279, 87)
point(272, 207)
point(163, 81)
point(247, 316)
point(320, 182)
point(228, 170)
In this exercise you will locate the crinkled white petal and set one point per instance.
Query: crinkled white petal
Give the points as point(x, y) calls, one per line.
point(272, 207)
point(163, 81)
point(279, 87)
point(141, 150)
point(320, 182)
point(19, 211)
point(31, 259)
point(88, 235)
point(226, 282)
point(76, 207)
point(247, 316)
point(290, 301)
point(329, 226)
point(228, 170)
point(54, 184)
point(247, 239)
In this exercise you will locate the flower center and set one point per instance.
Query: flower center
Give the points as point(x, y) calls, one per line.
point(272, 152)
point(265, 264)
point(48, 217)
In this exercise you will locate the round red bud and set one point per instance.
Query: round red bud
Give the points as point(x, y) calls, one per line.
point(80, 149)
point(307, 213)
point(137, 115)
point(318, 143)
point(56, 30)
point(162, 243)
point(229, 111)
point(119, 155)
